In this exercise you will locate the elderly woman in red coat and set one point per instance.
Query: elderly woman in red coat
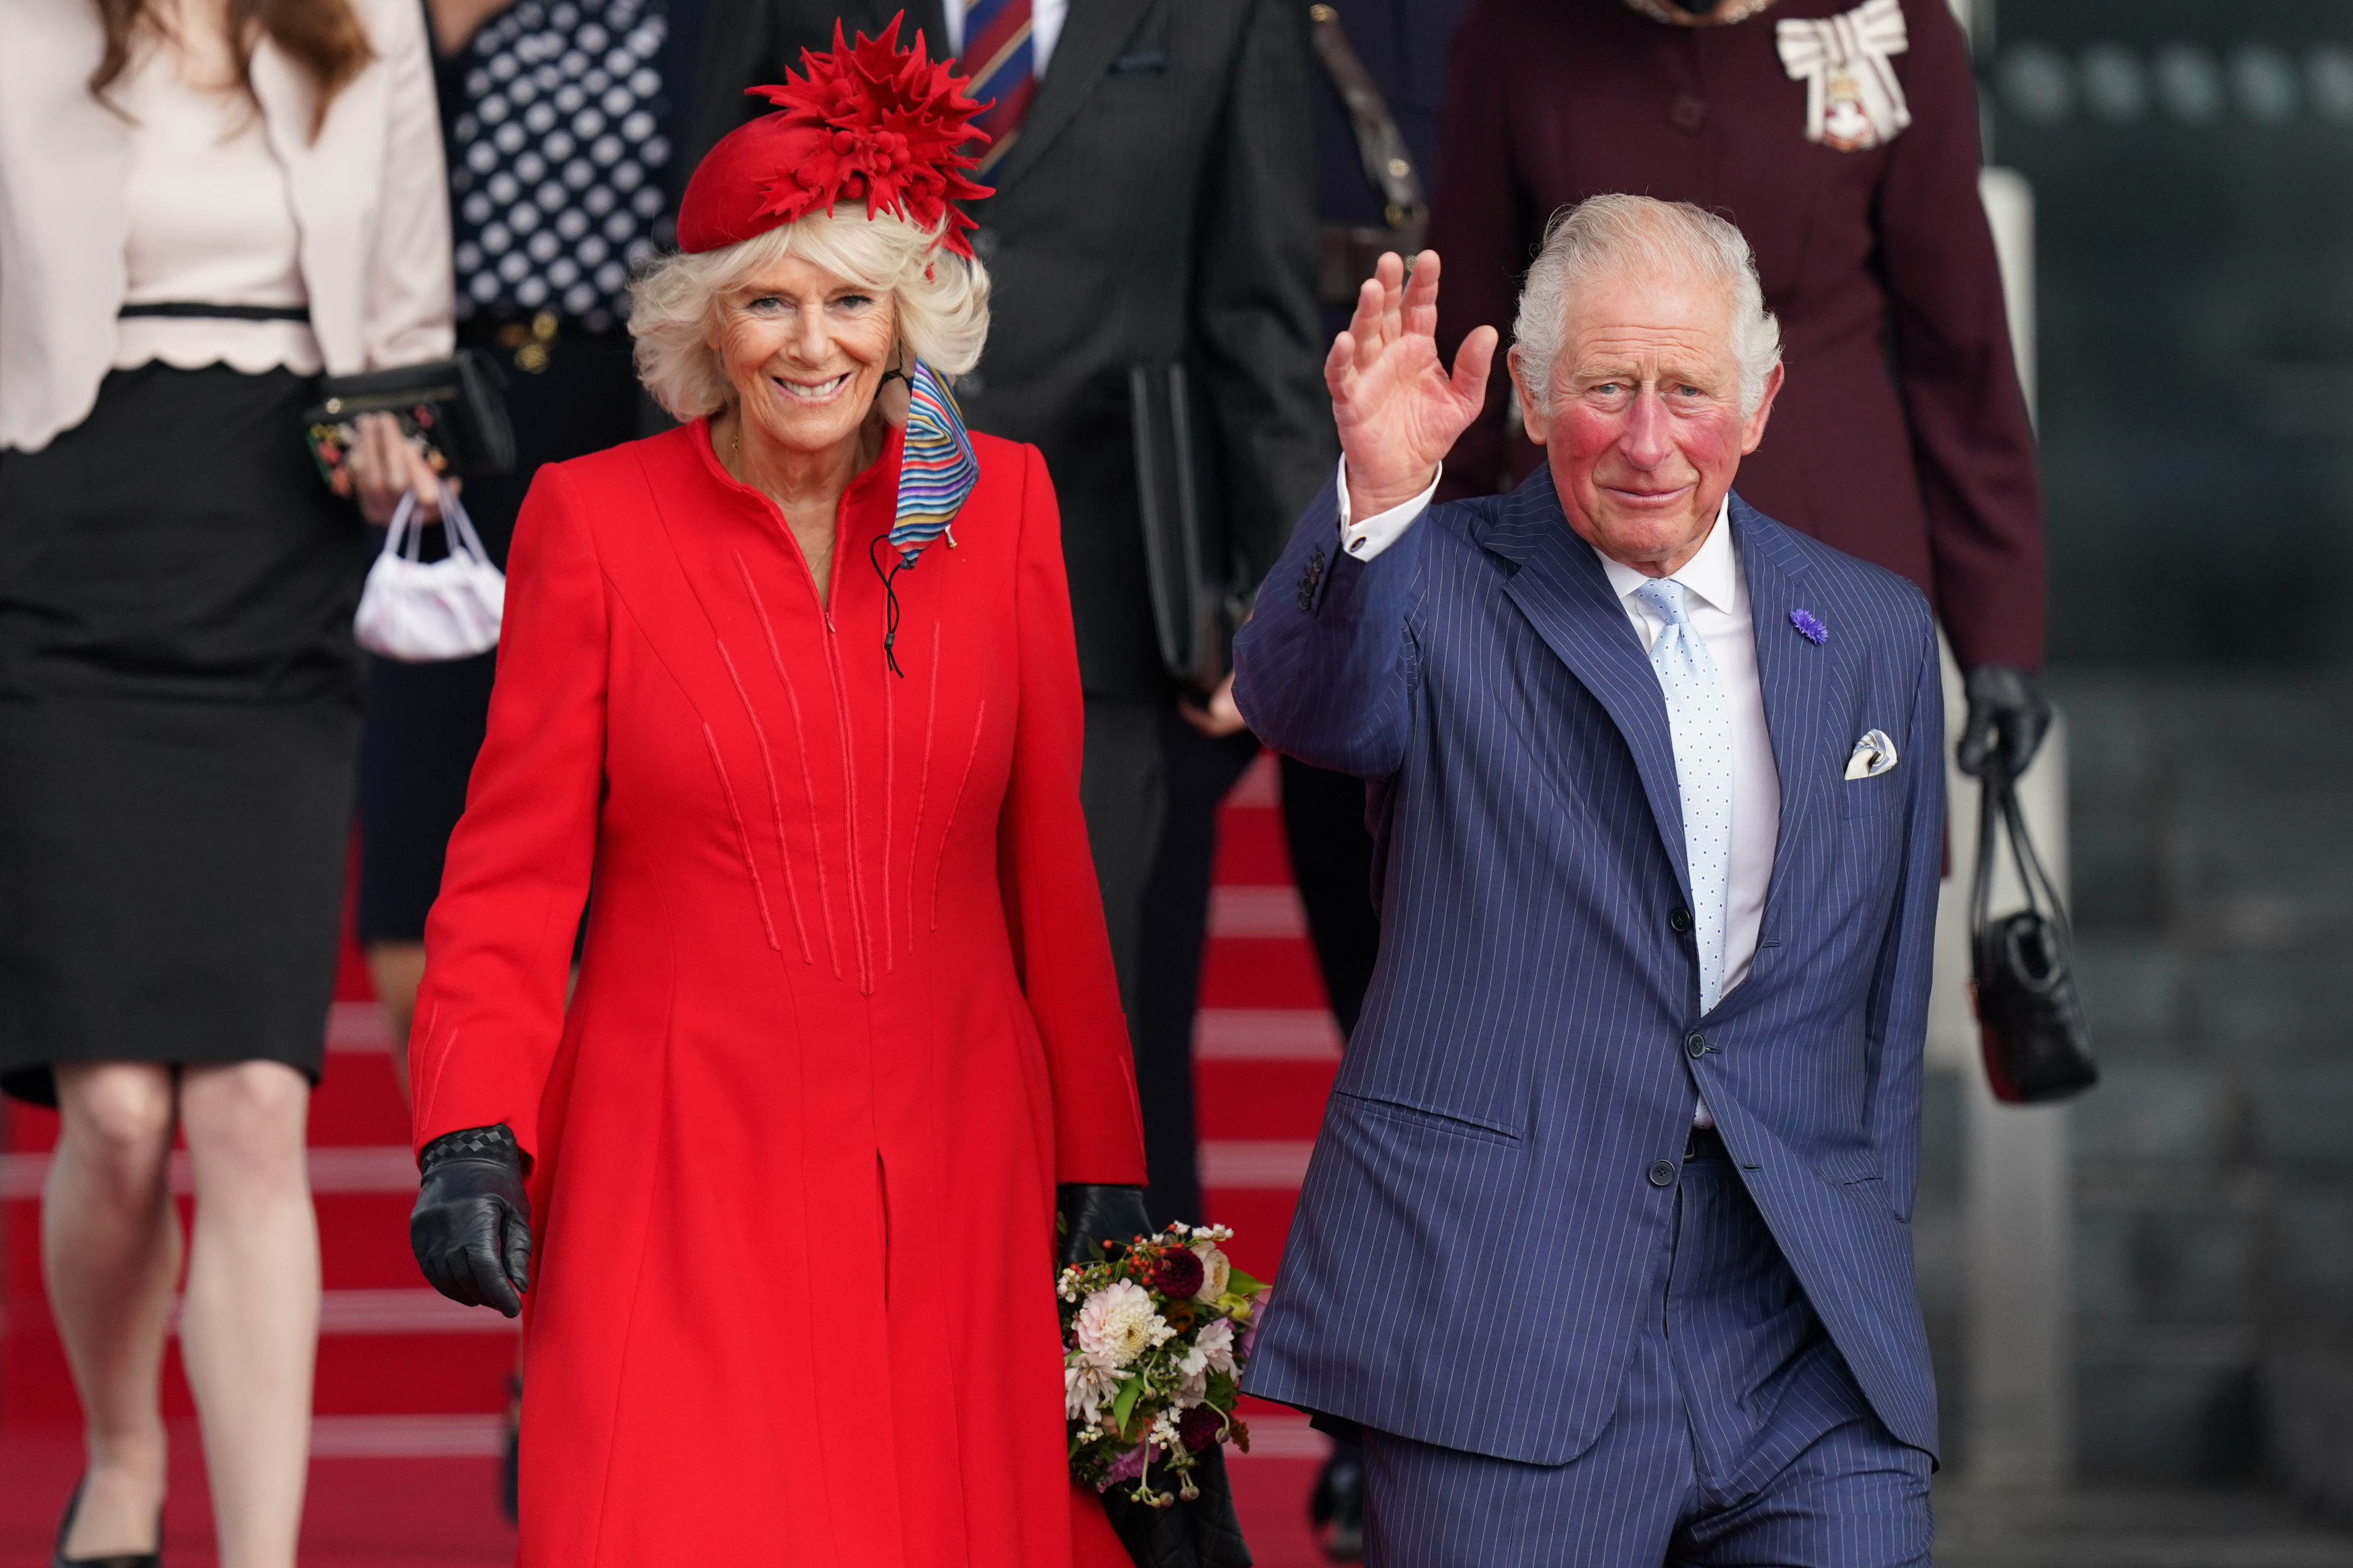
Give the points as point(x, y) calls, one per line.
point(793, 686)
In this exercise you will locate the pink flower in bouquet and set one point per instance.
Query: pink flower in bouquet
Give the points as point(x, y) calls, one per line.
point(1213, 1347)
point(1178, 1274)
point(1200, 1426)
point(1129, 1466)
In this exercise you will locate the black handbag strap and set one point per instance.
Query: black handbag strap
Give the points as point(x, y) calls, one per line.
point(1998, 809)
point(1380, 145)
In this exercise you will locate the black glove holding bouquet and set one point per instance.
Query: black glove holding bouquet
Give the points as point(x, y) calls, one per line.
point(1202, 1533)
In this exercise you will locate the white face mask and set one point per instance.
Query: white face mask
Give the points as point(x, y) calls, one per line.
point(423, 611)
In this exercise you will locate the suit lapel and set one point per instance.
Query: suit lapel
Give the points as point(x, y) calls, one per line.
point(1795, 674)
point(1092, 36)
point(1559, 585)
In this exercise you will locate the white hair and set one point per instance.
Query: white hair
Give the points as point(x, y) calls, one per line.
point(941, 299)
point(1612, 236)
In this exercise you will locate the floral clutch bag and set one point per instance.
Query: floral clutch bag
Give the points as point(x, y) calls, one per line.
point(454, 410)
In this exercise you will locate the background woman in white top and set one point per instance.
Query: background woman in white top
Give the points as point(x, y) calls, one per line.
point(203, 204)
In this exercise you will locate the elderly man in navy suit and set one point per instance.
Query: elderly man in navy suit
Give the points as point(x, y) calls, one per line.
point(1604, 1244)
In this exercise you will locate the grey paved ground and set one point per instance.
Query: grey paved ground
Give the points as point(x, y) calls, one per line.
point(2180, 1528)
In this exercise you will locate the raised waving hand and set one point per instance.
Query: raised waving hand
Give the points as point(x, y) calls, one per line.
point(1398, 407)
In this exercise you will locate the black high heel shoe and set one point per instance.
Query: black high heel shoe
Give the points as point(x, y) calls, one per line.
point(58, 1558)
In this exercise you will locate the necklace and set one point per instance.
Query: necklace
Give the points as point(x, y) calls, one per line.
point(1723, 16)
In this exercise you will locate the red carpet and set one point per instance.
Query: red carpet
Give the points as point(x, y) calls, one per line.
point(410, 1385)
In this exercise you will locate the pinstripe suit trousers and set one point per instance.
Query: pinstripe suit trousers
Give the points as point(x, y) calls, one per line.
point(1740, 1439)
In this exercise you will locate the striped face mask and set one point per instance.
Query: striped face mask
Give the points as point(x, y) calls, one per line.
point(936, 470)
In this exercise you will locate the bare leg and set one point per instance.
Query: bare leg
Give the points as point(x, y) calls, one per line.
point(249, 1331)
point(398, 968)
point(110, 1250)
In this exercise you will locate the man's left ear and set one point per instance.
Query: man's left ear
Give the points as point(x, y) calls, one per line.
point(1752, 431)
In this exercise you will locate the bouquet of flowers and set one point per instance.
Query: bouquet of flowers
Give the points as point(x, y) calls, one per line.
point(1154, 1337)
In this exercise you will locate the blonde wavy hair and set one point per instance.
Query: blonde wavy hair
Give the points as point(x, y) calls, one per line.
point(941, 299)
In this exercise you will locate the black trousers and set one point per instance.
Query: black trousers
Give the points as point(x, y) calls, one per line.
point(424, 722)
point(1331, 858)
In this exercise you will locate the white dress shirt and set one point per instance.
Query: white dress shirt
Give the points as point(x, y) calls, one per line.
point(1045, 26)
point(1715, 594)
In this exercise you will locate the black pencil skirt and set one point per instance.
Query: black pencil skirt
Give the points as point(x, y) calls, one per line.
point(179, 716)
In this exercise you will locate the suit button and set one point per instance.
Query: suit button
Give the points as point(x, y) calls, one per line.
point(1695, 1046)
point(1680, 922)
point(983, 244)
point(1663, 1173)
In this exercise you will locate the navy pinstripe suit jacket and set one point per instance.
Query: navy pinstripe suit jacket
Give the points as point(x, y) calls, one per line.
point(1480, 1228)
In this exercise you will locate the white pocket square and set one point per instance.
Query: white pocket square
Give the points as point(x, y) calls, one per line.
point(1874, 755)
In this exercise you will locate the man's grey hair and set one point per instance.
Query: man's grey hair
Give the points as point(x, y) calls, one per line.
point(1614, 237)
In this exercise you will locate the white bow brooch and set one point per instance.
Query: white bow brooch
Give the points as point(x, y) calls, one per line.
point(1853, 101)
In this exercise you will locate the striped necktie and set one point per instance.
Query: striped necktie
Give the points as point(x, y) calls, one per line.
point(1002, 62)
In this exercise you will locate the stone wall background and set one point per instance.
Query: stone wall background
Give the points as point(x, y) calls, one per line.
point(2212, 861)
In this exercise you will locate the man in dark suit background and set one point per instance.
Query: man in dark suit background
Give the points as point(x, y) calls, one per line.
point(1399, 45)
point(1154, 204)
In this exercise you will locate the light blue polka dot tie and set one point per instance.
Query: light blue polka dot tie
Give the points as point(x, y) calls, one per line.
point(1701, 728)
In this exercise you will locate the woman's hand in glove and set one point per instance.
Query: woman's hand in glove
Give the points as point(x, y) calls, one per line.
point(1203, 1533)
point(2008, 716)
point(1095, 1214)
point(472, 1228)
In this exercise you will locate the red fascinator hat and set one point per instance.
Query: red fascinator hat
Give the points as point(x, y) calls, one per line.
point(873, 124)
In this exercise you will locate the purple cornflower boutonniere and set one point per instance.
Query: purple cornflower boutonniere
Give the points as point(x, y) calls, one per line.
point(1812, 630)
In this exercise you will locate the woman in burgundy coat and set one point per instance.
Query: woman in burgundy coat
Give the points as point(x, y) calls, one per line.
point(795, 682)
point(1842, 139)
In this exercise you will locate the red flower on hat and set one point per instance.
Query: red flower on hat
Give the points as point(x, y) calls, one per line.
point(872, 123)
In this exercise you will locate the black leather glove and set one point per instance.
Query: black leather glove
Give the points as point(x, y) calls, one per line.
point(1203, 1533)
point(2008, 718)
point(472, 1226)
point(1097, 1214)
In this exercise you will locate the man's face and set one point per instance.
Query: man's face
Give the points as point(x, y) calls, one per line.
point(1646, 429)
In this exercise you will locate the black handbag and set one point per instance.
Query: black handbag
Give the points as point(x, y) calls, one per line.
point(1194, 615)
point(2029, 1019)
point(456, 408)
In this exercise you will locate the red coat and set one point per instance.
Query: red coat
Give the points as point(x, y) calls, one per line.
point(845, 1016)
point(1902, 435)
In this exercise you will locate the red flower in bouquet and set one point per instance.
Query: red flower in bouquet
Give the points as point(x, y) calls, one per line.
point(1200, 1426)
point(1177, 1274)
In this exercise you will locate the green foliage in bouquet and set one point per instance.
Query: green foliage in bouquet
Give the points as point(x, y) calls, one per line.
point(1154, 1337)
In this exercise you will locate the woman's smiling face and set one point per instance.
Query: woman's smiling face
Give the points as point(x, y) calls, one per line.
point(806, 349)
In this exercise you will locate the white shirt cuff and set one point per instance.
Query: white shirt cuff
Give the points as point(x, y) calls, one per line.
point(1375, 533)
